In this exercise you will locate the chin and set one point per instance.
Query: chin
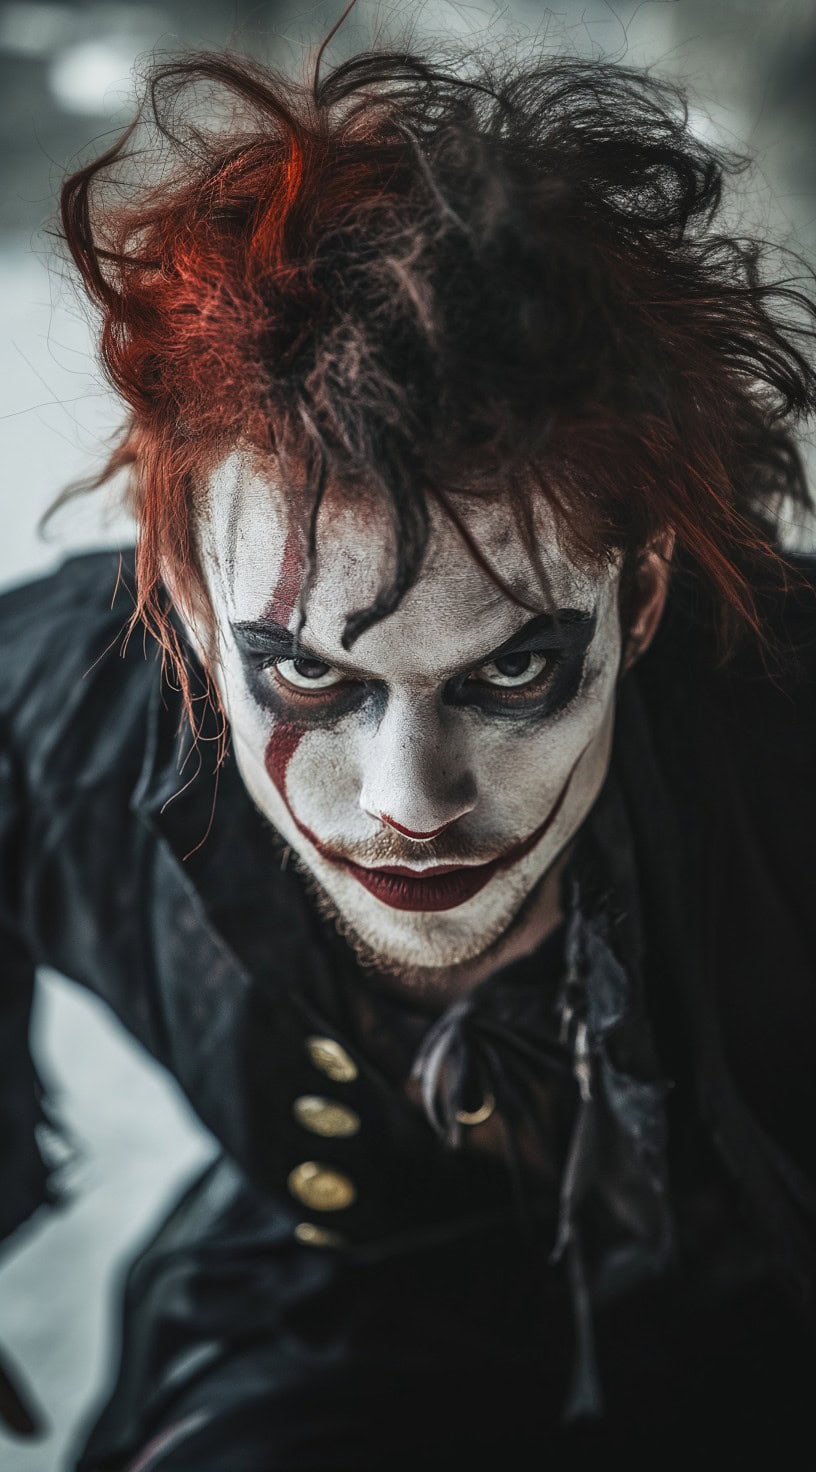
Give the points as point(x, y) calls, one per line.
point(430, 949)
point(425, 941)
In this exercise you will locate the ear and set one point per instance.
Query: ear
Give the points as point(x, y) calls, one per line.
point(651, 586)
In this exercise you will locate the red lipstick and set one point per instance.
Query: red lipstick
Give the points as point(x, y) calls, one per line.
point(441, 888)
point(446, 885)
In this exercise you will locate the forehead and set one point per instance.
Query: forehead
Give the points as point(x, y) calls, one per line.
point(254, 565)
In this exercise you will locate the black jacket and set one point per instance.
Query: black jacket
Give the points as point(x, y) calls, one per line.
point(180, 915)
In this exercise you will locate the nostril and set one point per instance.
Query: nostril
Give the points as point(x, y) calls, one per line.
point(410, 833)
point(413, 779)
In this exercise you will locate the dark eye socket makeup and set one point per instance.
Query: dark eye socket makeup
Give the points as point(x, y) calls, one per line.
point(561, 637)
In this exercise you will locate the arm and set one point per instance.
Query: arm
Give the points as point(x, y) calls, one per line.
point(37, 622)
point(24, 1184)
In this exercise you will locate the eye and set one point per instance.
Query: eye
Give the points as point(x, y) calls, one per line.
point(513, 671)
point(303, 673)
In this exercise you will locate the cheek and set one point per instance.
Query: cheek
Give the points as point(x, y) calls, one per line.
point(315, 774)
point(284, 740)
point(265, 742)
point(520, 768)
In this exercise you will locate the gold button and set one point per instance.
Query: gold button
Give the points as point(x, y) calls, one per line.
point(313, 1236)
point(321, 1187)
point(332, 1059)
point(325, 1116)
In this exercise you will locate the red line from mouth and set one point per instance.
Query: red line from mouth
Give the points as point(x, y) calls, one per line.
point(441, 887)
point(447, 885)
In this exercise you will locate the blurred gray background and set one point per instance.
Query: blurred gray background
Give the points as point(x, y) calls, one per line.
point(64, 85)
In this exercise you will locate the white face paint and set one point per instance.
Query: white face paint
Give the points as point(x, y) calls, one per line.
point(461, 742)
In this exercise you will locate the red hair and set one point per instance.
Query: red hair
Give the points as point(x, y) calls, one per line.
point(411, 276)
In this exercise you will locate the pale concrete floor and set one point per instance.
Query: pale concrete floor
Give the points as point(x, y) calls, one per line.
point(59, 1287)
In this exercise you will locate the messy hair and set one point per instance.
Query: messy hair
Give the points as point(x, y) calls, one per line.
point(438, 278)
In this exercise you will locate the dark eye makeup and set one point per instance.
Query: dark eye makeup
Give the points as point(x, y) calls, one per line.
point(559, 643)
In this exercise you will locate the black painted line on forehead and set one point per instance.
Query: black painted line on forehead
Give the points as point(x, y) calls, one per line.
point(573, 627)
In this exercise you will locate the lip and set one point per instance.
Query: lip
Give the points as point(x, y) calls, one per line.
point(444, 886)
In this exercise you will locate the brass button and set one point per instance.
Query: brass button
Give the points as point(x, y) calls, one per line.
point(321, 1187)
point(332, 1059)
point(325, 1116)
point(313, 1236)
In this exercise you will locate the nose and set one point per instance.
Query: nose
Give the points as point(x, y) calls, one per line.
point(415, 776)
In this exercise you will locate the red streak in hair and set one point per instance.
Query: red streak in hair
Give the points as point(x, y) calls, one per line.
point(219, 312)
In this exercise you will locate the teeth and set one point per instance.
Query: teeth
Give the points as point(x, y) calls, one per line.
point(405, 870)
point(432, 872)
point(435, 871)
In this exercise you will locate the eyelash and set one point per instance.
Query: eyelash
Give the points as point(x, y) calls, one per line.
point(524, 695)
point(495, 695)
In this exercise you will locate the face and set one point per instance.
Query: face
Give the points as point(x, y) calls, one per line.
point(429, 778)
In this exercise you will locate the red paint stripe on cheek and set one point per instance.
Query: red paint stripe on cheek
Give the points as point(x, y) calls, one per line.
point(280, 748)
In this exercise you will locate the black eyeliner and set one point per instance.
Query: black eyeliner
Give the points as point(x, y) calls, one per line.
point(569, 652)
point(565, 629)
point(546, 630)
point(565, 635)
point(267, 639)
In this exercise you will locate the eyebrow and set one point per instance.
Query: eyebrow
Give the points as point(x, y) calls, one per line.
point(564, 626)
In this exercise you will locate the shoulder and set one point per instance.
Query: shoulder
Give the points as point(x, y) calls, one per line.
point(73, 686)
point(764, 698)
point(774, 673)
point(741, 732)
point(735, 745)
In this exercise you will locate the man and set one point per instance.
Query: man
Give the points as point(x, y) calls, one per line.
point(456, 854)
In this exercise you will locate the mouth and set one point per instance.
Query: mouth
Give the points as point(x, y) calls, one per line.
point(444, 886)
point(441, 888)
